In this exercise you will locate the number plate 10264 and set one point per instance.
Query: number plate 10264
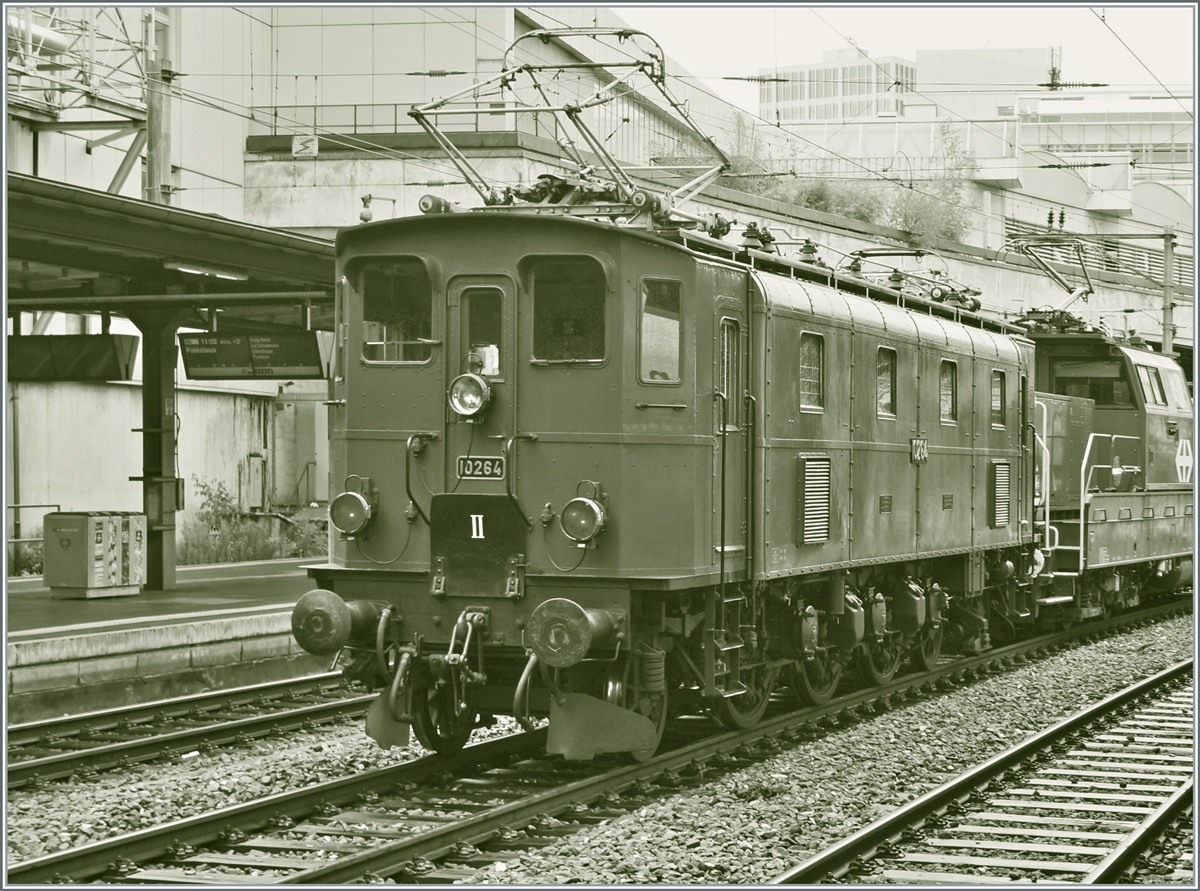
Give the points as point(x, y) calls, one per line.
point(471, 468)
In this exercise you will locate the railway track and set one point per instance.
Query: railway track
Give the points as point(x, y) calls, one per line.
point(1076, 803)
point(436, 819)
point(82, 745)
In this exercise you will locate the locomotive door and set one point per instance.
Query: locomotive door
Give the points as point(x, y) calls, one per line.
point(480, 311)
point(730, 435)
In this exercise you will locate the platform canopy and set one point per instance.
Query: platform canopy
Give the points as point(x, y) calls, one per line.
point(77, 250)
point(72, 249)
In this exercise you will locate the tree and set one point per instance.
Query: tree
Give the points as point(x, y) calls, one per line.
point(937, 208)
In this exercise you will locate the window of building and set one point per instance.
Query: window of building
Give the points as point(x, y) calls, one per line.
point(948, 391)
point(812, 371)
point(1152, 387)
point(885, 383)
point(999, 412)
point(1103, 380)
point(661, 329)
point(397, 301)
point(568, 309)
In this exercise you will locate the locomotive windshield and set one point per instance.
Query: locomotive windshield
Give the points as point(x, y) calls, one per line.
point(1103, 380)
point(397, 301)
point(568, 310)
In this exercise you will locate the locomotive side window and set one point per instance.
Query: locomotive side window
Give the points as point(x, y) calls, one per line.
point(1152, 387)
point(482, 307)
point(660, 332)
point(1177, 389)
point(885, 383)
point(397, 300)
point(948, 391)
point(999, 403)
point(1103, 380)
point(812, 371)
point(568, 310)
point(729, 369)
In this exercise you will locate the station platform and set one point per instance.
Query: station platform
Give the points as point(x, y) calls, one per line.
point(221, 626)
point(33, 611)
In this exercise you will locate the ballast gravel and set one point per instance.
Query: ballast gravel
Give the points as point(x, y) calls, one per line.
point(745, 826)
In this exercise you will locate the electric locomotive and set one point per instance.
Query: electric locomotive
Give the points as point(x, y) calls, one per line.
point(596, 463)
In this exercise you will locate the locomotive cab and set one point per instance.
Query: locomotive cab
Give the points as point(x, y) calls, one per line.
point(528, 448)
point(1119, 498)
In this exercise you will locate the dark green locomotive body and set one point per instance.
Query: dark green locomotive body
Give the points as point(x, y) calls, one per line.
point(604, 473)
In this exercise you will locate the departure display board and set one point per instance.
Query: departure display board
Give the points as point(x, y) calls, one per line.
point(304, 354)
point(71, 357)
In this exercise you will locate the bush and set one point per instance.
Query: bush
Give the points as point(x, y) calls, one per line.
point(220, 532)
point(26, 556)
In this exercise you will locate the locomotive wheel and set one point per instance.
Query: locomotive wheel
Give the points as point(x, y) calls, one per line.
point(746, 709)
point(879, 661)
point(434, 722)
point(813, 682)
point(618, 691)
point(925, 656)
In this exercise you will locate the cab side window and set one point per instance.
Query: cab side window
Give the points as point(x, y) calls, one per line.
point(659, 332)
point(1177, 389)
point(568, 309)
point(1152, 388)
point(812, 371)
point(885, 383)
point(397, 301)
point(948, 392)
point(999, 396)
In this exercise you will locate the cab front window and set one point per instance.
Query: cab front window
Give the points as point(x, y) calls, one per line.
point(397, 305)
point(568, 310)
point(1103, 380)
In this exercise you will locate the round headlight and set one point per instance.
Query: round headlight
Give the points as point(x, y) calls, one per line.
point(582, 519)
point(469, 395)
point(350, 513)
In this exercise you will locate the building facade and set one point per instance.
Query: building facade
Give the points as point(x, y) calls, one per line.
point(289, 117)
point(845, 84)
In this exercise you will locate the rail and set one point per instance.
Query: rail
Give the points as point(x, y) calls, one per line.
point(1041, 497)
point(16, 521)
point(318, 805)
point(835, 860)
point(17, 538)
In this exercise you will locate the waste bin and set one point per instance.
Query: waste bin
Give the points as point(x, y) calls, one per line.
point(94, 554)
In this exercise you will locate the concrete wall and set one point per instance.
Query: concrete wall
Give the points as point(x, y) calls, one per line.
point(73, 444)
point(53, 677)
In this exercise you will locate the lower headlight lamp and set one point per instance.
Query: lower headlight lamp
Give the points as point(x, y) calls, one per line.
point(350, 513)
point(582, 519)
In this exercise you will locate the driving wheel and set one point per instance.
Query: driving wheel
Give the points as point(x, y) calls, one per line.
point(434, 720)
point(878, 661)
point(653, 705)
point(746, 709)
point(815, 681)
point(925, 656)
